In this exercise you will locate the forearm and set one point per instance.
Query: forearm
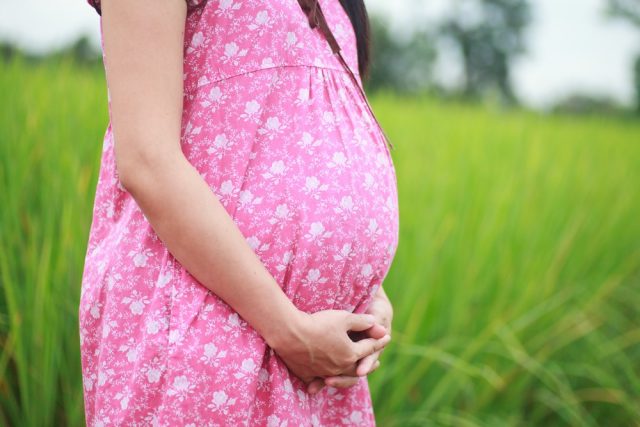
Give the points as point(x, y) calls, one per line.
point(196, 228)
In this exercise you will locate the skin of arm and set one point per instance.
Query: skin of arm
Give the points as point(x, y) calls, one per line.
point(143, 46)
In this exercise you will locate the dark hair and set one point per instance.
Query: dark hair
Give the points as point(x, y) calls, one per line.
point(360, 20)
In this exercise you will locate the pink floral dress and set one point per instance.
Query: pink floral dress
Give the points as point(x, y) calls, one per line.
point(282, 136)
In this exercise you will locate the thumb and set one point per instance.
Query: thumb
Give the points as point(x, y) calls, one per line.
point(360, 322)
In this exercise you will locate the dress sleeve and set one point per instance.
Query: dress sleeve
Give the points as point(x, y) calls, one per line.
point(191, 4)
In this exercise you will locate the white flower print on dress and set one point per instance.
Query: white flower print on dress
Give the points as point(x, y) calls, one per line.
point(136, 302)
point(272, 127)
point(227, 191)
point(366, 271)
point(247, 200)
point(267, 63)
point(373, 231)
point(346, 206)
point(256, 245)
point(286, 259)
point(123, 398)
point(221, 402)
point(276, 171)
point(88, 382)
point(152, 326)
point(191, 132)
point(369, 181)
point(95, 309)
point(227, 7)
point(181, 387)
point(215, 99)
point(354, 419)
point(261, 22)
point(139, 258)
point(281, 215)
point(233, 53)
point(313, 187)
point(106, 329)
point(234, 324)
point(275, 421)
point(212, 354)
point(153, 375)
point(338, 160)
point(309, 143)
point(163, 279)
point(112, 279)
point(345, 253)
point(104, 374)
point(221, 144)
point(317, 233)
point(252, 110)
point(196, 41)
point(303, 98)
point(291, 41)
point(130, 350)
point(314, 277)
point(248, 369)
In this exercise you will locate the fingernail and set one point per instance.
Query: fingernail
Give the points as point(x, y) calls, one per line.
point(370, 318)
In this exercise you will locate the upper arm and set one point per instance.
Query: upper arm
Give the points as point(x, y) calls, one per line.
point(143, 47)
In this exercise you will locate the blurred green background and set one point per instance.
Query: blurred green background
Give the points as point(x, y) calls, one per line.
point(516, 284)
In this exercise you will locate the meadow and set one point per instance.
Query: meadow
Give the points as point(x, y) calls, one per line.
point(516, 284)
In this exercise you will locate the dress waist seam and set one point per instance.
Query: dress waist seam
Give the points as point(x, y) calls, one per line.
point(254, 70)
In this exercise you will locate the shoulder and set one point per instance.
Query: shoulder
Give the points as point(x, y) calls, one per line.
point(190, 4)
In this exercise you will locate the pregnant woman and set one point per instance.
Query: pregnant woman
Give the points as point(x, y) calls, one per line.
point(245, 217)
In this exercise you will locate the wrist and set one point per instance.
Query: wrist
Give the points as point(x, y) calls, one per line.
point(381, 294)
point(381, 307)
point(288, 327)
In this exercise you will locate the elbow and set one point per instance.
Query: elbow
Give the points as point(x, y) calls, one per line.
point(136, 167)
point(129, 169)
point(125, 178)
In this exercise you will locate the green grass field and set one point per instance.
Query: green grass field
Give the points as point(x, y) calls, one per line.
point(516, 284)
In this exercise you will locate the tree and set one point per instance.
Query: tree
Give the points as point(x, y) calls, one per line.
point(583, 104)
point(489, 35)
point(636, 82)
point(404, 66)
point(629, 10)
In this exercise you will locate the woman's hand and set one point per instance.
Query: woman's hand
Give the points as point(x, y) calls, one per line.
point(319, 344)
point(382, 310)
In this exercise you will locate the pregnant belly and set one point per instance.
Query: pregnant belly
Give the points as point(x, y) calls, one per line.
point(306, 176)
point(323, 219)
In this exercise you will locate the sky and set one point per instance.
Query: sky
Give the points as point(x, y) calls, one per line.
point(572, 46)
